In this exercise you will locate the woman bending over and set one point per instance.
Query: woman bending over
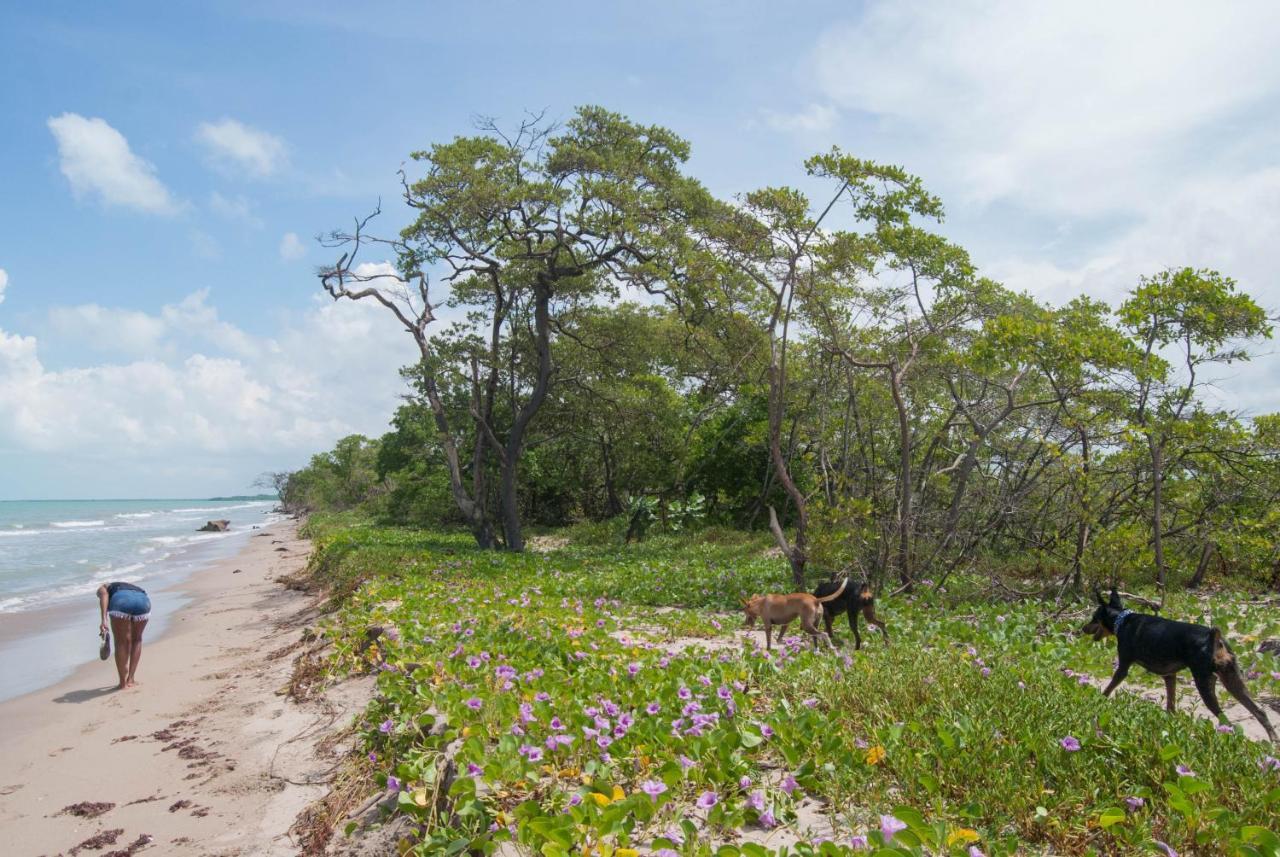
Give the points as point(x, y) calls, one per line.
point(129, 608)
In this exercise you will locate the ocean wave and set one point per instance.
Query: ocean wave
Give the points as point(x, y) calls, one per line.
point(253, 505)
point(23, 532)
point(70, 524)
point(135, 514)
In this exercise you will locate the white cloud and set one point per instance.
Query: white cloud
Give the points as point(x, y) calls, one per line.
point(239, 148)
point(812, 119)
point(184, 389)
point(291, 247)
point(1076, 107)
point(236, 208)
point(96, 160)
point(4, 282)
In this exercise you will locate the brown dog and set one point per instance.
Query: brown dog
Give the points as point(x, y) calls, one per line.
point(783, 609)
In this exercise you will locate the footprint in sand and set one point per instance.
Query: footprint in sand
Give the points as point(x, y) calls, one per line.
point(8, 790)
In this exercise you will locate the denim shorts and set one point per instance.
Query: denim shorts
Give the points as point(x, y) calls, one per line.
point(129, 604)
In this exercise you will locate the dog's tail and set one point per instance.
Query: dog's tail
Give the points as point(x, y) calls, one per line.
point(1222, 657)
point(835, 594)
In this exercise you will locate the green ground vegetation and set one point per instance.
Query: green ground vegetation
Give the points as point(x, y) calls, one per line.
point(601, 699)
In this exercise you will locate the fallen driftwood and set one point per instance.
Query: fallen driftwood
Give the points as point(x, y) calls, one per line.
point(220, 526)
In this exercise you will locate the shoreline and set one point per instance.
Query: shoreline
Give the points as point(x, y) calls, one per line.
point(205, 755)
point(43, 645)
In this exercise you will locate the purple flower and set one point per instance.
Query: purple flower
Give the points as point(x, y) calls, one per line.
point(744, 783)
point(889, 826)
point(789, 784)
point(666, 852)
point(686, 762)
point(859, 843)
point(1224, 729)
point(684, 693)
point(767, 820)
point(474, 770)
point(474, 703)
point(387, 726)
point(810, 702)
point(373, 757)
point(653, 788)
point(542, 696)
point(393, 784)
point(1184, 771)
point(986, 671)
point(632, 669)
point(755, 800)
point(575, 800)
point(1269, 763)
point(975, 851)
point(766, 730)
point(1168, 852)
point(652, 708)
point(1134, 803)
point(1070, 744)
point(707, 800)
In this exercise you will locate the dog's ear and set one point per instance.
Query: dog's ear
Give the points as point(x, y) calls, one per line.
point(1115, 599)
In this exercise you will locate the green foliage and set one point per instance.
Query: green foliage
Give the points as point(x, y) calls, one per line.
point(958, 730)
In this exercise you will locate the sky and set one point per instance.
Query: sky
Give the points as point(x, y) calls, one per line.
point(165, 169)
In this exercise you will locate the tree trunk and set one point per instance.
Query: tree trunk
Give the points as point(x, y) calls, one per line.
point(1157, 511)
point(507, 498)
point(1082, 529)
point(471, 508)
point(904, 478)
point(1206, 554)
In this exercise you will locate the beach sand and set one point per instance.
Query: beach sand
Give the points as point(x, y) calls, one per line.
point(205, 756)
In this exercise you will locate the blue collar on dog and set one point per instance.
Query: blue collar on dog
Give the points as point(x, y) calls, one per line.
point(1124, 614)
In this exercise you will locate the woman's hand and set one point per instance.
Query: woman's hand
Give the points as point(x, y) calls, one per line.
point(102, 629)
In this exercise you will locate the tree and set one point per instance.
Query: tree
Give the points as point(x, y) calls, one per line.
point(525, 228)
point(1198, 316)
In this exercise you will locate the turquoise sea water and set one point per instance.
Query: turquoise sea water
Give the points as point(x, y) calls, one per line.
point(57, 550)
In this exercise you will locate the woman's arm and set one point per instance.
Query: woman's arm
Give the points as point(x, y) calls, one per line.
point(102, 603)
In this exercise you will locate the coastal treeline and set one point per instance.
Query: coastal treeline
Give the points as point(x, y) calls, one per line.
point(605, 343)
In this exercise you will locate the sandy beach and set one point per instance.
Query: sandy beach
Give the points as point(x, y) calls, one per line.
point(205, 756)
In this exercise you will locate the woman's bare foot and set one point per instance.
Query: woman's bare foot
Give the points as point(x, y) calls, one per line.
point(131, 683)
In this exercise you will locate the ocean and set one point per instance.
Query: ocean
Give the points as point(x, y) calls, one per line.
point(55, 553)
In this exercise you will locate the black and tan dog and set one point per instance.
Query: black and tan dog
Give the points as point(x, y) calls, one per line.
point(855, 598)
point(1165, 647)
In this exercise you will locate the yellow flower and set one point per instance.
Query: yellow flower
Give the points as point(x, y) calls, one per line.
point(466, 731)
point(618, 793)
point(601, 800)
point(964, 836)
point(875, 755)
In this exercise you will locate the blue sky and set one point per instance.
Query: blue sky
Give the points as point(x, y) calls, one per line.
point(164, 168)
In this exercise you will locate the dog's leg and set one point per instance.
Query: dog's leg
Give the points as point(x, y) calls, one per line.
point(1207, 684)
point(768, 636)
point(1121, 672)
point(1169, 692)
point(853, 626)
point(1234, 684)
point(870, 612)
point(826, 619)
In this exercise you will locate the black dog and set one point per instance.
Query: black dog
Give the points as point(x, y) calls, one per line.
point(1164, 647)
point(856, 598)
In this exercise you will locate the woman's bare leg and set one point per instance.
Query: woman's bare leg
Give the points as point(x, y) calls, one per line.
point(123, 637)
point(135, 651)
